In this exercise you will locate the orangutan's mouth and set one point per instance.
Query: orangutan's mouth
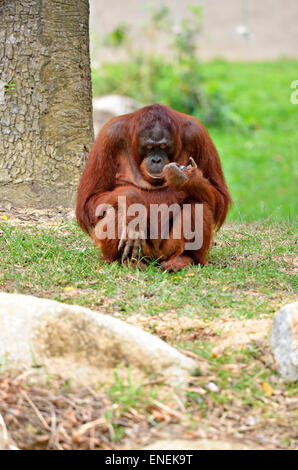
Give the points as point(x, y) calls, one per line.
point(155, 177)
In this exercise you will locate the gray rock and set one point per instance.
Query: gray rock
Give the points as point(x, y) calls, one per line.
point(108, 106)
point(284, 341)
point(78, 343)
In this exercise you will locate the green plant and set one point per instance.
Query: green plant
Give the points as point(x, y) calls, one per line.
point(118, 36)
point(175, 79)
point(128, 394)
point(10, 86)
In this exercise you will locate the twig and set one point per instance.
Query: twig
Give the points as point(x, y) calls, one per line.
point(53, 438)
point(39, 415)
point(85, 427)
point(168, 409)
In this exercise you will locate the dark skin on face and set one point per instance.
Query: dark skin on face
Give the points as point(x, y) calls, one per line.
point(156, 147)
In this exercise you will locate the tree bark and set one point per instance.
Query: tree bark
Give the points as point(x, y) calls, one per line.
point(45, 101)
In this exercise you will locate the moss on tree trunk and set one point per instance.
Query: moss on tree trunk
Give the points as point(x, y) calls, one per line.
point(45, 101)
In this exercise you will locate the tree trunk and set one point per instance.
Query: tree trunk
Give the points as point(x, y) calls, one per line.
point(45, 101)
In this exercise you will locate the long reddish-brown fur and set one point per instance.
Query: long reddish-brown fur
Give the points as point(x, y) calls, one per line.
point(115, 147)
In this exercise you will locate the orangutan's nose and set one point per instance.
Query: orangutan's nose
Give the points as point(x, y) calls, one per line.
point(156, 159)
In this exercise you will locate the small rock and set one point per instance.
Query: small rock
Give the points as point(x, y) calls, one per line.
point(108, 106)
point(5, 441)
point(212, 387)
point(250, 421)
point(284, 341)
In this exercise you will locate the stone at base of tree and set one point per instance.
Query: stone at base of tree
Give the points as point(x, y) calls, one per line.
point(284, 341)
point(108, 106)
point(67, 340)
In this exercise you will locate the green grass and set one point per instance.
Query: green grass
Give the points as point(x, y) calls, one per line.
point(61, 263)
point(259, 153)
point(259, 159)
point(128, 394)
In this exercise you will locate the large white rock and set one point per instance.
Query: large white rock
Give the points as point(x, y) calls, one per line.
point(70, 340)
point(108, 106)
point(284, 341)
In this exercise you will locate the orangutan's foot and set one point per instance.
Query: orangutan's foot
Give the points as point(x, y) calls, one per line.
point(176, 263)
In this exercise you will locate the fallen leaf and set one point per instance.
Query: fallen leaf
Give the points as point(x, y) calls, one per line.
point(267, 389)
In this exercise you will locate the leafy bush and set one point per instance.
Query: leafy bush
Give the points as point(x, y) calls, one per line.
point(175, 80)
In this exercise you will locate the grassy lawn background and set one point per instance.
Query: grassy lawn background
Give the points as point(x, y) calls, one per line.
point(260, 160)
point(248, 259)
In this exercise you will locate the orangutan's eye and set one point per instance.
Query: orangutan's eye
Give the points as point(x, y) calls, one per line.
point(163, 146)
point(149, 147)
